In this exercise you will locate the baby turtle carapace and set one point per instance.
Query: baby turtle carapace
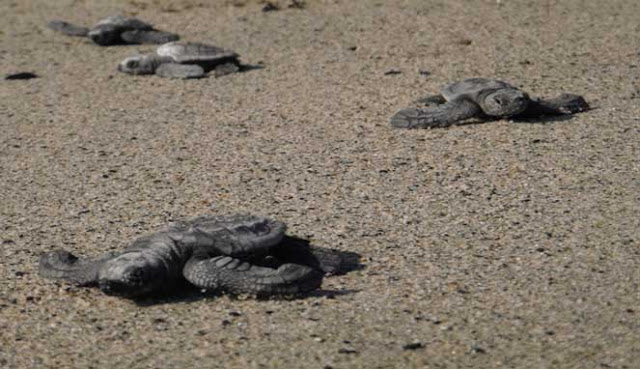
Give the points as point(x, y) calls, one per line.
point(183, 60)
point(116, 30)
point(240, 254)
point(486, 99)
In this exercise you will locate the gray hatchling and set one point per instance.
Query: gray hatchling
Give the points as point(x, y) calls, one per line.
point(116, 30)
point(486, 99)
point(183, 60)
point(240, 254)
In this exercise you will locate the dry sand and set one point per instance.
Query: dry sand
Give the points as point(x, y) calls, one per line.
point(487, 245)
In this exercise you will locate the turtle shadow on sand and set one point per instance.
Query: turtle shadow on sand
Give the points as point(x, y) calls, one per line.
point(546, 119)
point(542, 120)
point(250, 67)
point(190, 294)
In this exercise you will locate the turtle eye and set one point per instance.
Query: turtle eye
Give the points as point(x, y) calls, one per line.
point(132, 64)
point(497, 100)
point(136, 275)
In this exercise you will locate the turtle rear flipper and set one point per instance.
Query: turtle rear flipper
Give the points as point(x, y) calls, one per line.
point(562, 104)
point(441, 116)
point(67, 28)
point(148, 37)
point(299, 251)
point(175, 70)
point(63, 265)
point(226, 68)
point(240, 277)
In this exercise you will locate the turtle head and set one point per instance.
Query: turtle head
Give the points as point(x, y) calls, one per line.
point(138, 64)
point(132, 274)
point(505, 102)
point(105, 35)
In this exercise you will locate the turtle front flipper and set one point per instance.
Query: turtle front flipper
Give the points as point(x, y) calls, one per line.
point(184, 71)
point(562, 104)
point(63, 265)
point(441, 116)
point(68, 28)
point(148, 37)
point(240, 277)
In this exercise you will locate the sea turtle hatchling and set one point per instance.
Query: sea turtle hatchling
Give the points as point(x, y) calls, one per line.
point(483, 98)
point(116, 30)
point(183, 60)
point(240, 254)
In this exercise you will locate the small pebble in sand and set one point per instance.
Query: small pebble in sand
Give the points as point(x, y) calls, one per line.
point(347, 350)
point(392, 71)
point(269, 7)
point(413, 346)
point(297, 4)
point(20, 75)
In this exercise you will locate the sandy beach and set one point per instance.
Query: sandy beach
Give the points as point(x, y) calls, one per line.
point(493, 245)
